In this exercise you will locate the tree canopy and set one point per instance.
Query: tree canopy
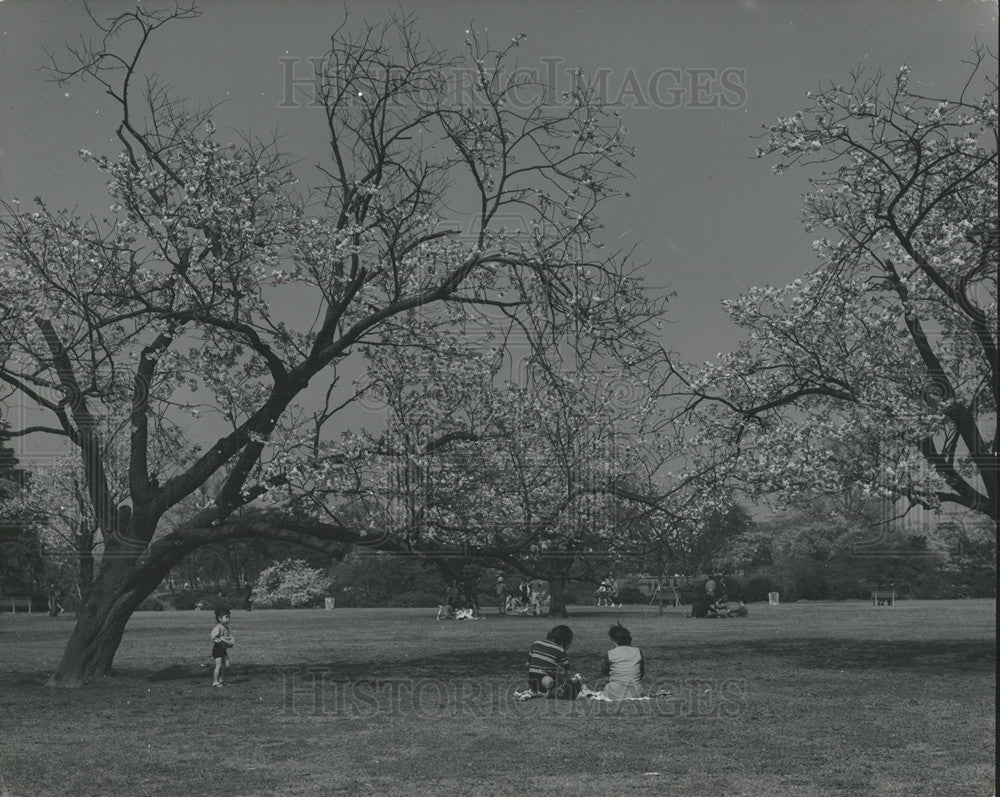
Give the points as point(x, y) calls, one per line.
point(206, 331)
point(876, 372)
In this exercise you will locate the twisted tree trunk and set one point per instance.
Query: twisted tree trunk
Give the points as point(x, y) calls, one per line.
point(122, 581)
point(558, 593)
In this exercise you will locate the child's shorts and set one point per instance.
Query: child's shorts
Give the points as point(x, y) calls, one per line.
point(219, 650)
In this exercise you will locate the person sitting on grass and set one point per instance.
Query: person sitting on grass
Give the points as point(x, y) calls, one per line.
point(222, 641)
point(548, 665)
point(623, 666)
point(719, 609)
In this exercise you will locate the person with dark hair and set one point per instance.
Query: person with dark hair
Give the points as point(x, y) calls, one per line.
point(524, 593)
point(720, 600)
point(222, 641)
point(548, 664)
point(538, 596)
point(623, 666)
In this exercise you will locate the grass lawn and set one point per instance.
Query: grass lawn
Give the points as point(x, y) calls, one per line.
point(798, 699)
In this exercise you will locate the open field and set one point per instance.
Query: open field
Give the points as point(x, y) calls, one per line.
point(798, 699)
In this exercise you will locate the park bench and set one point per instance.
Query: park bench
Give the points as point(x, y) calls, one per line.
point(16, 603)
point(883, 597)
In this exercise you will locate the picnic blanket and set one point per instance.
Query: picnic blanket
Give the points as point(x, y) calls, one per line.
point(588, 694)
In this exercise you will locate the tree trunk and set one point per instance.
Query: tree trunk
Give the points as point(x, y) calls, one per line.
point(121, 583)
point(100, 623)
point(54, 607)
point(558, 593)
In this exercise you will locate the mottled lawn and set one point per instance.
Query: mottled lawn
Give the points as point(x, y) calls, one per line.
point(799, 699)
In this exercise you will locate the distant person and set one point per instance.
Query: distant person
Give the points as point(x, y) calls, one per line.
point(720, 608)
point(470, 589)
point(538, 592)
point(704, 599)
point(623, 666)
point(603, 592)
point(548, 665)
point(500, 593)
point(222, 641)
point(613, 590)
point(524, 591)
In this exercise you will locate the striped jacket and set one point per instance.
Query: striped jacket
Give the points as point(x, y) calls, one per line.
point(546, 657)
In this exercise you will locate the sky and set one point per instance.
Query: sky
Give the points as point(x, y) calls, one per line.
point(708, 220)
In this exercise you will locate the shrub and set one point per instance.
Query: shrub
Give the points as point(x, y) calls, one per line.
point(186, 600)
point(151, 604)
point(422, 600)
point(290, 584)
point(984, 584)
point(632, 595)
point(691, 591)
point(757, 588)
point(385, 580)
point(189, 599)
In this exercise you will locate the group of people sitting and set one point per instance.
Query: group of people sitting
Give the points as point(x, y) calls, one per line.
point(548, 667)
point(530, 597)
point(713, 602)
point(461, 601)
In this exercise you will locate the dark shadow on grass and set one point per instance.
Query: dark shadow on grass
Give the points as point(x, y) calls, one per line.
point(463, 664)
point(806, 652)
point(843, 654)
point(179, 672)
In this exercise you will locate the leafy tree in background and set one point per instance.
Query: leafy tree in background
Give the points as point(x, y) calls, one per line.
point(56, 503)
point(21, 561)
point(876, 373)
point(142, 335)
point(380, 579)
point(290, 584)
point(833, 548)
point(551, 476)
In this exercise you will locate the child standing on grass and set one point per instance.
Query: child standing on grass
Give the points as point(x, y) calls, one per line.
point(222, 641)
point(624, 666)
point(548, 662)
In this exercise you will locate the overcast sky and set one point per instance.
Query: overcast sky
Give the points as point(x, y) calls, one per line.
point(708, 218)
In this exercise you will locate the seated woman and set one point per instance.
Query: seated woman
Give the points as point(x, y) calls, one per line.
point(624, 666)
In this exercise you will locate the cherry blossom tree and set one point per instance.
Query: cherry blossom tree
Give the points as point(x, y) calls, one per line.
point(55, 505)
point(19, 545)
point(538, 475)
point(288, 585)
point(162, 337)
point(877, 372)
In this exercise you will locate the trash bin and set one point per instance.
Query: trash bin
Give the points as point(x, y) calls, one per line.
point(330, 603)
point(772, 598)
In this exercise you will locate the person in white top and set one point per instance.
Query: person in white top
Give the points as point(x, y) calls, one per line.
point(222, 641)
point(624, 666)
